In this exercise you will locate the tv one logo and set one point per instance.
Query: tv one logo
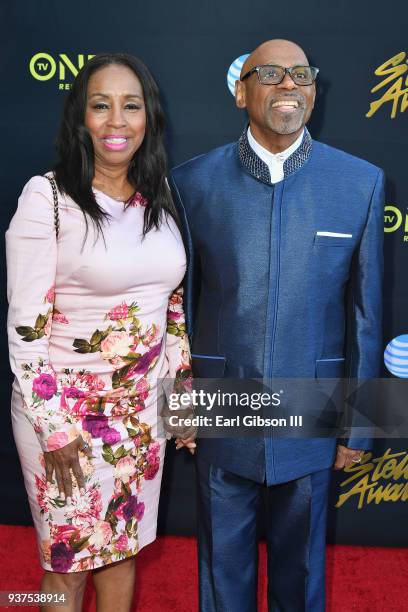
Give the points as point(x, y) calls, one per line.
point(44, 67)
point(395, 220)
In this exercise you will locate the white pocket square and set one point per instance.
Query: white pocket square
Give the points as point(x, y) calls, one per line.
point(334, 235)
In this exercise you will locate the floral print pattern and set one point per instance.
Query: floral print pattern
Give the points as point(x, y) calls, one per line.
point(92, 536)
point(89, 538)
point(42, 325)
point(130, 348)
point(176, 327)
point(123, 343)
point(90, 369)
point(138, 200)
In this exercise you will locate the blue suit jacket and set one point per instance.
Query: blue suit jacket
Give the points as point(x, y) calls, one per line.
point(265, 291)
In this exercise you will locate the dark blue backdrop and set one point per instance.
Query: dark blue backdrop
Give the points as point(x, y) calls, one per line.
point(189, 46)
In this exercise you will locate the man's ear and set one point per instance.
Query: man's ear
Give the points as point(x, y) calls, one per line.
point(240, 94)
point(314, 95)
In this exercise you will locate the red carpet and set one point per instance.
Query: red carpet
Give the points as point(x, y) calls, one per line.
point(362, 579)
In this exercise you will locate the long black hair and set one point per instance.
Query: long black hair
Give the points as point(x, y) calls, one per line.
point(75, 168)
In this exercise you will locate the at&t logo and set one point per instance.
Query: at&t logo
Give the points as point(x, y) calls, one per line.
point(234, 72)
point(394, 220)
point(44, 67)
point(396, 356)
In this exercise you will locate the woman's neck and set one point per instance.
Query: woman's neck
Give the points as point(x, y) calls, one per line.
point(113, 181)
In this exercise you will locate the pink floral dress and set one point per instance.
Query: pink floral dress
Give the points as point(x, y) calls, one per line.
point(93, 326)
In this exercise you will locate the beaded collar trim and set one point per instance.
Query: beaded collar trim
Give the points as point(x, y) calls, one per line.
point(260, 170)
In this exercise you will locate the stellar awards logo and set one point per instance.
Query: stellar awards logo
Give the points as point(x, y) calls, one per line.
point(395, 71)
point(376, 480)
point(234, 71)
point(44, 67)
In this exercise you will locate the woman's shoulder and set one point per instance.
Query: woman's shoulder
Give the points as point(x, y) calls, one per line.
point(38, 184)
point(39, 189)
point(36, 200)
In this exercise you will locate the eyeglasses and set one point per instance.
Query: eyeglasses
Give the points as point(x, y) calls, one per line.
point(273, 75)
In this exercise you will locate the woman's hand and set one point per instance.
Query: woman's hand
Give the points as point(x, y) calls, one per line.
point(189, 443)
point(64, 461)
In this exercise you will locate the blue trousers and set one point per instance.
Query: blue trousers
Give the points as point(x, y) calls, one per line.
point(228, 506)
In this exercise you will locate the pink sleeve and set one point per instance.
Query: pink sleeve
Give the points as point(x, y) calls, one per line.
point(177, 345)
point(31, 266)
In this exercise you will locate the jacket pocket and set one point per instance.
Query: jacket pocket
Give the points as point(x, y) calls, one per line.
point(208, 366)
point(330, 368)
point(333, 241)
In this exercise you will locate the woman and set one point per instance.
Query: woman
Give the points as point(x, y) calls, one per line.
point(87, 332)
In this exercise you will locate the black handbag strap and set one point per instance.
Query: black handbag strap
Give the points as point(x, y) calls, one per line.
point(56, 209)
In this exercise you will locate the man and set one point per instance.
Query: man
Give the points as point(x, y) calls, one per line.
point(277, 228)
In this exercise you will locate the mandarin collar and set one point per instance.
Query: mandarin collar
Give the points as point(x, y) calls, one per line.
point(259, 169)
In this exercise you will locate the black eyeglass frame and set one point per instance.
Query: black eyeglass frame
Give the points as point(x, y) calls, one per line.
point(315, 72)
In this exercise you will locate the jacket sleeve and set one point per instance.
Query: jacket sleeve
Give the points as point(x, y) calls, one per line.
point(192, 278)
point(31, 249)
point(365, 343)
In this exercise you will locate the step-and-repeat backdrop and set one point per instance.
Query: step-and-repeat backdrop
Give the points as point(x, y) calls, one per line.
point(361, 50)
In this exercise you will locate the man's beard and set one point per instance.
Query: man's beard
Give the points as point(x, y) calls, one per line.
point(287, 124)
